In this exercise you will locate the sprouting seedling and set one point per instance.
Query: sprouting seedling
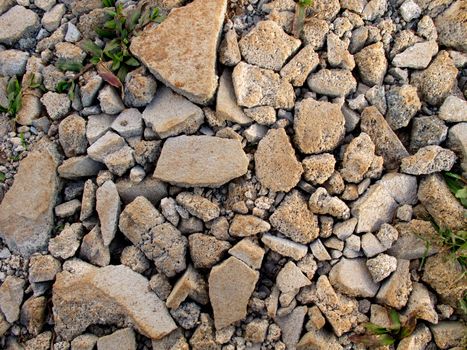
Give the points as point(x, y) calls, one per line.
point(24, 143)
point(14, 96)
point(380, 336)
point(458, 186)
point(299, 19)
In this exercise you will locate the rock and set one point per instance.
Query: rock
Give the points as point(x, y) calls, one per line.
point(230, 286)
point(190, 284)
point(373, 209)
point(247, 225)
point(395, 291)
point(41, 342)
point(134, 258)
point(30, 111)
point(427, 131)
point(351, 276)
point(417, 56)
point(327, 9)
point(402, 187)
point(123, 339)
point(345, 228)
point(26, 212)
point(418, 340)
point(435, 83)
point(448, 334)
point(84, 166)
point(229, 52)
point(263, 115)
point(153, 189)
point(276, 164)
point(198, 206)
point(57, 105)
point(255, 330)
point(170, 114)
point(254, 133)
point(110, 100)
point(249, 252)
point(438, 200)
point(291, 326)
point(338, 55)
point(319, 340)
point(358, 157)
point(323, 120)
point(72, 135)
point(386, 141)
point(284, 246)
point(5, 5)
point(108, 207)
point(183, 161)
point(128, 124)
point(451, 26)
point(318, 168)
point(381, 266)
point(374, 9)
point(372, 64)
point(319, 250)
point(457, 141)
point(255, 86)
point(268, 46)
point(73, 35)
point(52, 18)
point(411, 243)
point(93, 248)
point(13, 62)
point(67, 242)
point(67, 209)
point(403, 105)
point(290, 278)
point(18, 22)
point(203, 337)
point(226, 102)
point(300, 66)
point(410, 10)
point(85, 295)
point(97, 126)
point(85, 341)
point(295, 220)
point(453, 109)
point(33, 314)
point(140, 88)
point(89, 92)
point(444, 275)
point(187, 61)
point(371, 245)
point(314, 32)
point(428, 160)
point(11, 297)
point(421, 303)
point(332, 82)
point(43, 268)
point(206, 250)
point(322, 203)
point(187, 315)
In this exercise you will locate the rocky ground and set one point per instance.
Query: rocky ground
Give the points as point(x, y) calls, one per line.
point(246, 189)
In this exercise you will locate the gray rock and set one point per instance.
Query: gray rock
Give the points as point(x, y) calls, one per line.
point(140, 88)
point(374, 9)
point(421, 303)
point(11, 297)
point(72, 135)
point(66, 244)
point(90, 89)
point(153, 189)
point(332, 82)
point(229, 52)
point(291, 326)
point(319, 250)
point(105, 146)
point(451, 27)
point(457, 141)
point(402, 187)
point(322, 203)
point(110, 100)
point(395, 291)
point(376, 96)
point(97, 126)
point(129, 123)
point(428, 160)
point(72, 33)
point(18, 22)
point(226, 102)
point(410, 10)
point(351, 277)
point(345, 228)
point(13, 62)
point(453, 109)
point(300, 66)
point(52, 18)
point(170, 114)
point(372, 64)
point(403, 103)
point(93, 248)
point(57, 105)
point(108, 208)
point(371, 245)
point(26, 212)
point(427, 131)
point(119, 340)
point(67, 209)
point(381, 266)
point(417, 56)
point(84, 166)
point(285, 247)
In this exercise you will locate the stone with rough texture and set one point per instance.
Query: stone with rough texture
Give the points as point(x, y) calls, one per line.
point(418, 340)
point(84, 295)
point(256, 86)
point(427, 131)
point(284, 246)
point(76, 167)
point(205, 250)
point(229, 52)
point(226, 102)
point(322, 203)
point(66, 244)
point(18, 22)
point(290, 278)
point(249, 252)
point(198, 206)
point(395, 291)
point(190, 284)
point(453, 109)
point(11, 297)
point(372, 64)
point(108, 208)
point(449, 334)
point(358, 156)
point(182, 50)
point(318, 168)
point(417, 56)
point(93, 248)
point(403, 104)
point(230, 287)
point(295, 220)
point(314, 32)
point(170, 114)
point(319, 340)
point(72, 134)
point(457, 141)
point(381, 266)
point(319, 126)
point(276, 164)
point(386, 141)
point(291, 326)
point(268, 46)
point(200, 161)
point(428, 160)
point(352, 277)
point(332, 82)
point(401, 187)
point(13, 62)
point(247, 225)
point(26, 212)
point(300, 66)
point(421, 303)
point(123, 339)
point(451, 26)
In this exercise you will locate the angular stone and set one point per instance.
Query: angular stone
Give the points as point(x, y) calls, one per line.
point(108, 208)
point(84, 295)
point(290, 278)
point(226, 102)
point(268, 46)
point(418, 340)
point(319, 126)
point(428, 160)
point(332, 82)
point(449, 334)
point(97, 126)
point(322, 203)
point(204, 336)
point(453, 109)
point(200, 161)
point(198, 206)
point(276, 164)
point(263, 115)
point(401, 187)
point(372, 64)
point(291, 326)
point(427, 131)
point(403, 104)
point(351, 277)
point(140, 88)
point(371, 246)
point(410, 239)
point(18, 22)
point(417, 56)
point(93, 248)
point(438, 200)
point(255, 86)
point(358, 157)
point(57, 105)
point(319, 340)
point(151, 188)
point(229, 52)
point(11, 297)
point(338, 55)
point(190, 284)
point(123, 339)
point(381, 266)
point(451, 26)
point(247, 225)
point(300, 66)
point(170, 114)
point(386, 141)
point(67, 209)
point(295, 220)
point(318, 168)
point(66, 244)
point(129, 123)
point(13, 62)
point(76, 167)
point(33, 313)
point(181, 51)
point(26, 212)
point(85, 341)
point(43, 268)
point(395, 291)
point(249, 252)
point(72, 133)
point(105, 146)
point(205, 250)
point(285, 247)
point(421, 303)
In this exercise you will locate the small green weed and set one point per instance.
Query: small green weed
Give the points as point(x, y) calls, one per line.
point(379, 336)
point(13, 90)
point(2, 177)
point(108, 3)
point(24, 143)
point(458, 186)
point(300, 14)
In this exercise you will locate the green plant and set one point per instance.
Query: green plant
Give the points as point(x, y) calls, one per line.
point(300, 14)
point(379, 336)
point(458, 186)
point(24, 143)
point(13, 90)
point(108, 3)
point(2, 176)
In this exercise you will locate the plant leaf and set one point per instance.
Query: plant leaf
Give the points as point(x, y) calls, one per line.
point(372, 340)
point(108, 76)
point(91, 48)
point(375, 329)
point(68, 65)
point(2, 176)
point(62, 86)
point(409, 326)
point(122, 72)
point(95, 60)
point(133, 62)
point(13, 86)
point(395, 319)
point(105, 33)
point(71, 91)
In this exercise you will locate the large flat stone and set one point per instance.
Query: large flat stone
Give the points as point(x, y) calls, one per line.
point(26, 213)
point(182, 50)
point(84, 295)
point(199, 161)
point(17, 23)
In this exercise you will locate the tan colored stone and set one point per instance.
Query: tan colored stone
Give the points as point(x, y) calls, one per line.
point(277, 167)
point(319, 126)
point(249, 252)
point(290, 278)
point(182, 50)
point(85, 295)
point(26, 212)
point(319, 340)
point(318, 168)
point(11, 297)
point(372, 64)
point(229, 52)
point(332, 82)
point(285, 247)
point(395, 291)
point(358, 157)
point(206, 250)
point(226, 101)
point(190, 284)
point(452, 26)
point(199, 161)
point(230, 287)
point(428, 160)
point(247, 225)
point(300, 66)
point(198, 206)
